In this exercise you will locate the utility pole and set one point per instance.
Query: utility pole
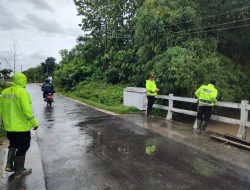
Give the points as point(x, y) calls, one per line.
point(14, 54)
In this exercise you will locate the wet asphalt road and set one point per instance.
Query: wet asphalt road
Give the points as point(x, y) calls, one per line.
point(86, 149)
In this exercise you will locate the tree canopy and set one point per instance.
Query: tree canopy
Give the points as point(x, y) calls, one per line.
point(184, 43)
point(40, 72)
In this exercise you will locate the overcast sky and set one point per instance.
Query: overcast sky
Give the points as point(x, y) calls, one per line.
point(40, 27)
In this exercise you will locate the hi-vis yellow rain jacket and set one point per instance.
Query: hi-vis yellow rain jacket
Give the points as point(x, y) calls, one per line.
point(206, 94)
point(15, 106)
point(151, 88)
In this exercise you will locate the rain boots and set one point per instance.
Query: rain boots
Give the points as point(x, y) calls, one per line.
point(10, 160)
point(19, 166)
point(199, 125)
point(204, 125)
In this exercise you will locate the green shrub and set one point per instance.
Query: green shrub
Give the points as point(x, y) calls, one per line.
point(101, 92)
point(182, 69)
point(101, 95)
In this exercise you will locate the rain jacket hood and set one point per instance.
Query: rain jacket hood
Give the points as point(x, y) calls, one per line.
point(20, 79)
point(15, 106)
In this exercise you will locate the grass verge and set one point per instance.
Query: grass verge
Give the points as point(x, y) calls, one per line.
point(100, 95)
point(116, 109)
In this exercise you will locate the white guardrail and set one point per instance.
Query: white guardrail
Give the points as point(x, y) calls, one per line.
point(244, 106)
point(133, 96)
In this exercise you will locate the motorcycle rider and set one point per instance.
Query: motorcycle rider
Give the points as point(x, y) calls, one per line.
point(47, 88)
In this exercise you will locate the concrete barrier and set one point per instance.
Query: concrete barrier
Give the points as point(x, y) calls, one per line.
point(136, 97)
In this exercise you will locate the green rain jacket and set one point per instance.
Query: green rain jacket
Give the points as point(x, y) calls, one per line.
point(15, 106)
point(151, 88)
point(207, 95)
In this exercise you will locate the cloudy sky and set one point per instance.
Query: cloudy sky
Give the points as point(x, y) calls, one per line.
point(40, 29)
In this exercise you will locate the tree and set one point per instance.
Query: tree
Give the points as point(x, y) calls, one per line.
point(109, 22)
point(181, 41)
point(234, 42)
point(5, 73)
point(11, 57)
point(48, 67)
point(34, 74)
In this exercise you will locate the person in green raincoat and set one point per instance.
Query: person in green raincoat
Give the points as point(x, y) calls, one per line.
point(18, 120)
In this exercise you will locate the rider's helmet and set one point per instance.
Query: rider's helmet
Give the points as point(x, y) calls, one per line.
point(47, 80)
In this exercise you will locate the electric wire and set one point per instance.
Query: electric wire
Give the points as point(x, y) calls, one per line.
point(195, 29)
point(209, 16)
point(203, 18)
point(219, 29)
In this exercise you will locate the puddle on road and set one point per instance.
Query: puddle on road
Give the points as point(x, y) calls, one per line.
point(49, 126)
point(119, 147)
point(167, 128)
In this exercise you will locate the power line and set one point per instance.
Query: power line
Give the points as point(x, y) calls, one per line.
point(121, 37)
point(235, 21)
point(219, 29)
point(212, 30)
point(195, 29)
point(209, 16)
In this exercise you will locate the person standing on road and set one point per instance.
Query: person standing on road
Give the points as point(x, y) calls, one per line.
point(151, 93)
point(18, 120)
point(206, 95)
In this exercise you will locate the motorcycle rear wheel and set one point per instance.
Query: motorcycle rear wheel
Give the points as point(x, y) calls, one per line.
point(49, 103)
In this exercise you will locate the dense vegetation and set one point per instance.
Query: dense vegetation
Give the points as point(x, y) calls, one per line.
point(39, 73)
point(102, 95)
point(184, 43)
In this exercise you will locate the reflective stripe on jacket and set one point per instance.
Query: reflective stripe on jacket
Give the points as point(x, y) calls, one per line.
point(16, 108)
point(151, 88)
point(206, 94)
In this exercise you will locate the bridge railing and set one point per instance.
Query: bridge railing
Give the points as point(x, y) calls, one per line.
point(244, 108)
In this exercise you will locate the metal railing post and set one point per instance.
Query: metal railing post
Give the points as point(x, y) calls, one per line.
point(243, 119)
point(170, 107)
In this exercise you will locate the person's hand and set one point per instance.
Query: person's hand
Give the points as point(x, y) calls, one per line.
point(157, 90)
point(35, 128)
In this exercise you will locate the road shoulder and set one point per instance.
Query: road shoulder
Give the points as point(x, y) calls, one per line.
point(33, 160)
point(98, 109)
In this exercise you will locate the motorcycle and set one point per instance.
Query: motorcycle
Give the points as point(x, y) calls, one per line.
point(49, 98)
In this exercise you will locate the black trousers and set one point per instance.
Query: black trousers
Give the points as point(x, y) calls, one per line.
point(20, 141)
point(151, 100)
point(204, 112)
